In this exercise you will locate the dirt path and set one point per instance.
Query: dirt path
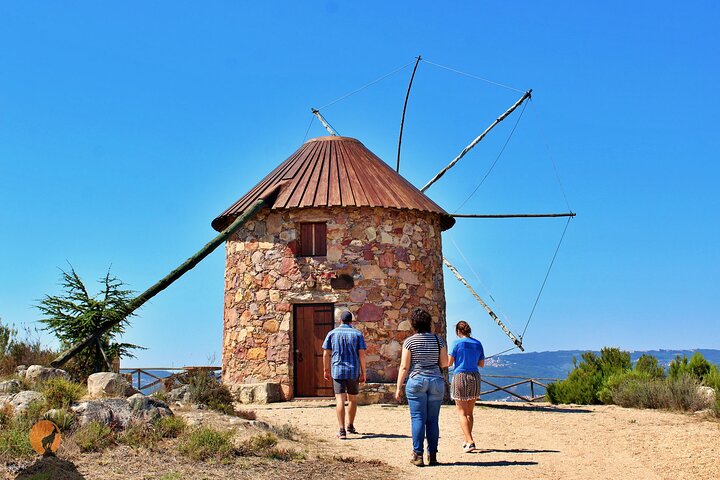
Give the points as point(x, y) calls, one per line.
point(526, 441)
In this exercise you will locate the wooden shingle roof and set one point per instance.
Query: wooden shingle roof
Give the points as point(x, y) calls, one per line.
point(336, 171)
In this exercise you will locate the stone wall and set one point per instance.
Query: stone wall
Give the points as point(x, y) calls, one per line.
point(394, 257)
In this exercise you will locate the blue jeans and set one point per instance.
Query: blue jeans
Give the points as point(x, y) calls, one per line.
point(424, 396)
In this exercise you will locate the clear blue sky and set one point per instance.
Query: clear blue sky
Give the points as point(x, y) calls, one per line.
point(124, 130)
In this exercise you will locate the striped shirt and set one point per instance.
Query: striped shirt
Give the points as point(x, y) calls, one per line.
point(424, 354)
point(345, 343)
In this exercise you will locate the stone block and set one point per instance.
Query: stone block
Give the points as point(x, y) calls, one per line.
point(108, 384)
point(265, 392)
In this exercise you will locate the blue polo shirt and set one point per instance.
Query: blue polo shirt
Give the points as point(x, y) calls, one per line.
point(467, 352)
point(345, 342)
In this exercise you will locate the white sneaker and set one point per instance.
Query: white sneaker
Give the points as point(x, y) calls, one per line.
point(468, 447)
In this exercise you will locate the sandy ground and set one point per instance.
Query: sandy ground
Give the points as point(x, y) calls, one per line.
point(525, 441)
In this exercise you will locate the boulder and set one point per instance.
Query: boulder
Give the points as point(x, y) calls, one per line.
point(36, 374)
point(708, 395)
point(180, 394)
point(108, 384)
point(21, 370)
point(114, 412)
point(21, 401)
point(147, 408)
point(9, 387)
point(266, 392)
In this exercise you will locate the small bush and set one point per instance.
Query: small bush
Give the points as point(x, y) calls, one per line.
point(684, 394)
point(65, 420)
point(258, 445)
point(94, 437)
point(246, 414)
point(60, 393)
point(139, 434)
point(170, 427)
point(284, 454)
point(6, 415)
point(15, 439)
point(287, 431)
point(206, 443)
point(161, 395)
point(206, 389)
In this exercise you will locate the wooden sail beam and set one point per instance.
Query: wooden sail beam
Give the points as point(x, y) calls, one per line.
point(325, 124)
point(499, 322)
point(502, 117)
point(402, 119)
point(513, 215)
point(266, 200)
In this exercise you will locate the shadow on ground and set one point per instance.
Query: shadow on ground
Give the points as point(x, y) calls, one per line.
point(50, 468)
point(514, 450)
point(533, 408)
point(380, 435)
point(499, 463)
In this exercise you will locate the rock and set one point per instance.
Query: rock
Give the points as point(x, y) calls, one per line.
point(148, 408)
point(260, 424)
point(180, 394)
point(21, 370)
point(10, 386)
point(266, 392)
point(707, 394)
point(21, 401)
point(114, 412)
point(38, 374)
point(108, 384)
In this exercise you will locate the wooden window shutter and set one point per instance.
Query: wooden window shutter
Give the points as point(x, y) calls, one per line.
point(313, 239)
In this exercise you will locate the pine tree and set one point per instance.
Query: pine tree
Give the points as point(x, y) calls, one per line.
point(75, 315)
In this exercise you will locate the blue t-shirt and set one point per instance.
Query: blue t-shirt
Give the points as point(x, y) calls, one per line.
point(467, 352)
point(345, 343)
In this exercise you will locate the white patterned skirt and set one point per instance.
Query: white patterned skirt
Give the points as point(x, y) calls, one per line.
point(465, 386)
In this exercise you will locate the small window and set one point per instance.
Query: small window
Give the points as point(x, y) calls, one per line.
point(313, 239)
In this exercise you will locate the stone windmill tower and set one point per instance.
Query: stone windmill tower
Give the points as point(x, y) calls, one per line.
point(345, 232)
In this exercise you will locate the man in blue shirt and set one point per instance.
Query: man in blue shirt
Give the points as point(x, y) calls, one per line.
point(345, 346)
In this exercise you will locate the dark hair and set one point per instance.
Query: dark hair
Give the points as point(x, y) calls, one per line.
point(421, 320)
point(463, 327)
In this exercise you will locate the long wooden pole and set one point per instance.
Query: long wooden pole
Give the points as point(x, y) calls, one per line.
point(513, 215)
point(402, 120)
point(502, 117)
point(187, 265)
point(514, 339)
point(325, 124)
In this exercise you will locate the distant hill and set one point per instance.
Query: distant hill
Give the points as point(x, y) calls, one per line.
point(558, 364)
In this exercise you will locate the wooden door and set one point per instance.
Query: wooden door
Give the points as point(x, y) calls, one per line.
point(312, 324)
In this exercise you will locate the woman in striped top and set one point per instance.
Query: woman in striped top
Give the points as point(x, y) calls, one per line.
point(423, 355)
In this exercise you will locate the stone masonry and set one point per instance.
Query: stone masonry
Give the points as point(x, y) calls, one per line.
point(394, 257)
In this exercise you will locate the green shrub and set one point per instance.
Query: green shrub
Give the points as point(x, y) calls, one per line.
point(258, 445)
point(284, 454)
point(684, 393)
point(64, 419)
point(648, 365)
point(161, 395)
point(15, 439)
point(94, 437)
point(639, 391)
point(139, 434)
point(206, 389)
point(582, 384)
point(170, 427)
point(206, 443)
point(287, 431)
point(60, 393)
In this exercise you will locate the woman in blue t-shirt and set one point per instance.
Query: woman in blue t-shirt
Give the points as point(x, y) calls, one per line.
point(467, 355)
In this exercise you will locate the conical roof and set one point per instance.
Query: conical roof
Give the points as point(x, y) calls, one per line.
point(336, 171)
